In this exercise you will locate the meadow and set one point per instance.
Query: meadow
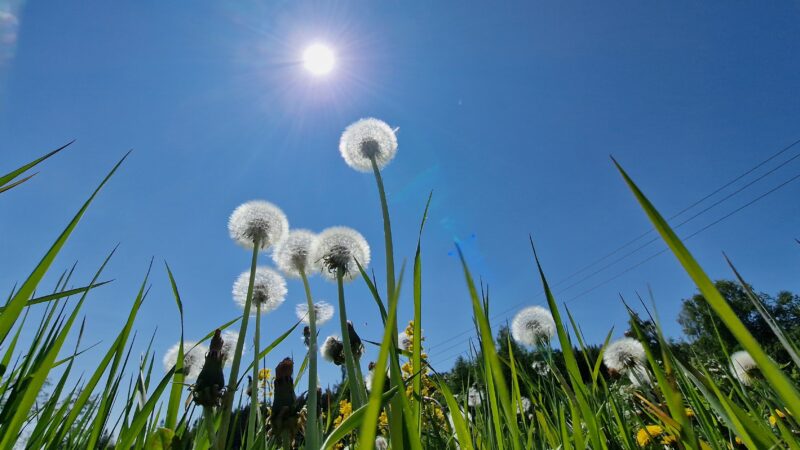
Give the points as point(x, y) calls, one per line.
point(215, 395)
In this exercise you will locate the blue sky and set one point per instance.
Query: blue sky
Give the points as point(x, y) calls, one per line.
point(507, 112)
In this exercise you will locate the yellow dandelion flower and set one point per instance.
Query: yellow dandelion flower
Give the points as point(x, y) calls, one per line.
point(264, 374)
point(645, 435)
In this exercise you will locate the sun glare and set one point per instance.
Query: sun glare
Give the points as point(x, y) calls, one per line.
point(318, 59)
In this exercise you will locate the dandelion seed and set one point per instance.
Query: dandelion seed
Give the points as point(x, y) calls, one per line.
point(474, 397)
point(541, 368)
point(258, 220)
point(332, 350)
point(365, 140)
point(744, 367)
point(291, 254)
point(193, 358)
point(533, 326)
point(624, 354)
point(269, 290)
point(381, 443)
point(323, 312)
point(338, 248)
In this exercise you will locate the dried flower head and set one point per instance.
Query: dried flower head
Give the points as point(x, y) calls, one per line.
point(404, 341)
point(338, 248)
point(291, 254)
point(474, 397)
point(193, 358)
point(624, 354)
point(366, 140)
point(323, 312)
point(743, 367)
point(269, 290)
point(258, 220)
point(332, 350)
point(381, 443)
point(533, 326)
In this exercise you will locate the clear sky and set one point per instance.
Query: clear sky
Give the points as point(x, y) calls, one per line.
point(508, 112)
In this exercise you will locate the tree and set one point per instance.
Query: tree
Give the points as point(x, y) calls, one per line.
point(699, 322)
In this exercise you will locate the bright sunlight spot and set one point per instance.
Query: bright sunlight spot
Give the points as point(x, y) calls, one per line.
point(318, 59)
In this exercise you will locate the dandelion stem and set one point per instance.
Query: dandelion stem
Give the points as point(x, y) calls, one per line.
point(227, 406)
point(208, 418)
point(255, 410)
point(312, 429)
point(356, 384)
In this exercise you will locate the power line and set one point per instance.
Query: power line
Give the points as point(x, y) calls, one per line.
point(639, 237)
point(640, 263)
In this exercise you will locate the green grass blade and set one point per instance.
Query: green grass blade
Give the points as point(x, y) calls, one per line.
point(174, 402)
point(60, 295)
point(353, 421)
point(5, 179)
point(127, 438)
point(416, 349)
point(779, 381)
point(14, 307)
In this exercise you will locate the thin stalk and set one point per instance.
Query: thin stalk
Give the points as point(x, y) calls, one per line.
point(255, 410)
point(208, 418)
point(356, 385)
point(227, 405)
point(312, 429)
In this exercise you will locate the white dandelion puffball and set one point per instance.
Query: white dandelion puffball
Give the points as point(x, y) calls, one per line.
point(291, 254)
point(269, 290)
point(229, 340)
point(339, 248)
point(639, 377)
point(541, 368)
point(193, 358)
point(524, 405)
point(404, 341)
point(742, 367)
point(624, 354)
point(323, 312)
point(381, 443)
point(260, 220)
point(533, 325)
point(474, 397)
point(367, 139)
point(331, 349)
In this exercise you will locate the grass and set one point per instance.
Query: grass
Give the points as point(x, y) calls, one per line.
point(686, 405)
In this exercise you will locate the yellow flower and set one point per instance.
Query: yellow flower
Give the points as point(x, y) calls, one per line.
point(773, 421)
point(646, 434)
point(689, 412)
point(264, 374)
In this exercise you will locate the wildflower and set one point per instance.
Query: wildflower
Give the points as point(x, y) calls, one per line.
point(264, 374)
point(260, 221)
point(323, 312)
point(524, 405)
point(193, 357)
point(743, 367)
point(647, 434)
point(474, 397)
point(208, 389)
point(367, 140)
point(269, 290)
point(230, 339)
point(381, 443)
point(541, 368)
point(291, 254)
point(533, 325)
point(773, 418)
point(368, 379)
point(338, 248)
point(624, 355)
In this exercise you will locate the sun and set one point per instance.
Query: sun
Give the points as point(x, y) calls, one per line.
point(318, 59)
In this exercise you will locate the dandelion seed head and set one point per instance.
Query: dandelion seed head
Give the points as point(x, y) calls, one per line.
point(367, 139)
point(404, 341)
point(743, 367)
point(229, 338)
point(381, 443)
point(624, 354)
point(524, 405)
point(269, 290)
point(533, 326)
point(331, 350)
point(339, 248)
point(291, 254)
point(323, 312)
point(474, 397)
point(639, 377)
point(193, 358)
point(260, 220)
